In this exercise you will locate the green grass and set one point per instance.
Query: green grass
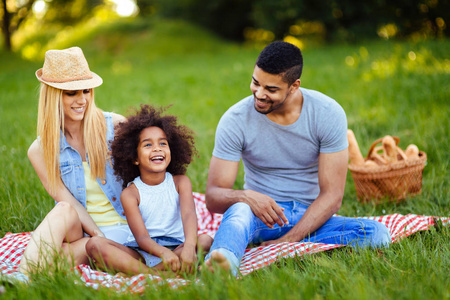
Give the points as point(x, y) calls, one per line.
point(381, 88)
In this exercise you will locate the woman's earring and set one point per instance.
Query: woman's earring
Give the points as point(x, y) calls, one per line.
point(136, 163)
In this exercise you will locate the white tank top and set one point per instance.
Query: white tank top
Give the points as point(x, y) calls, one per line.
point(160, 209)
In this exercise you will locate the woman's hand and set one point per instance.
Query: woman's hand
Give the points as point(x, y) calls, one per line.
point(99, 233)
point(188, 259)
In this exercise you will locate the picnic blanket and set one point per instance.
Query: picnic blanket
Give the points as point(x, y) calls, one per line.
point(13, 245)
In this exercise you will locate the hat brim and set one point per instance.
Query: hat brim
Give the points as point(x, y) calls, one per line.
point(94, 82)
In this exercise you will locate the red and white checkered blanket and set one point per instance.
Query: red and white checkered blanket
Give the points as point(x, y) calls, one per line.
point(13, 245)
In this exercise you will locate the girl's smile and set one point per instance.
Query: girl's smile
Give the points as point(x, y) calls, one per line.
point(153, 151)
point(158, 159)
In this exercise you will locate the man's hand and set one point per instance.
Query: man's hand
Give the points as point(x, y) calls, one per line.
point(265, 208)
point(332, 175)
point(220, 194)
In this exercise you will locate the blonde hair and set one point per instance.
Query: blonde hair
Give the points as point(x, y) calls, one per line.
point(51, 123)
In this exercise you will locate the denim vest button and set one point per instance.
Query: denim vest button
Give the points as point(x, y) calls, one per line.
point(113, 198)
point(103, 181)
point(123, 213)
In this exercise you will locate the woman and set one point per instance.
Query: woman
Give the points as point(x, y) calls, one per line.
point(71, 158)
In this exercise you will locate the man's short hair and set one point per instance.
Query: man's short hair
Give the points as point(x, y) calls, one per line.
point(281, 58)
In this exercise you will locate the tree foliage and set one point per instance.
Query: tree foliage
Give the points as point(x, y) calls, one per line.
point(228, 18)
point(233, 19)
point(342, 19)
point(70, 11)
point(12, 14)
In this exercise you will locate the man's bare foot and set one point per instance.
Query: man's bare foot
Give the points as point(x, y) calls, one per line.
point(217, 259)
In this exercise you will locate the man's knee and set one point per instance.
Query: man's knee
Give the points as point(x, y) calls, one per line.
point(239, 217)
point(380, 235)
point(383, 236)
point(239, 209)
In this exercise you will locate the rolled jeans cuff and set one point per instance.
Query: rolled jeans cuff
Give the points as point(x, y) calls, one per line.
point(231, 257)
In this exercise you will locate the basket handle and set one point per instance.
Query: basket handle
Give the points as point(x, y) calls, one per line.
point(372, 147)
point(403, 155)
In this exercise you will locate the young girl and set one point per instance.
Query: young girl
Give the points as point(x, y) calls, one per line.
point(150, 154)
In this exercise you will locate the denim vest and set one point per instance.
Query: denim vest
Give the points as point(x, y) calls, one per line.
point(72, 173)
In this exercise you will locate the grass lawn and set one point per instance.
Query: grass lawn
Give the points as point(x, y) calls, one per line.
point(385, 87)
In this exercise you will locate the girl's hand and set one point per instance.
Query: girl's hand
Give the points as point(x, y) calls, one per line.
point(171, 260)
point(188, 259)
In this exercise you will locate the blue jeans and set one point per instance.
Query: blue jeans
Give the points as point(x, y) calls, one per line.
point(240, 227)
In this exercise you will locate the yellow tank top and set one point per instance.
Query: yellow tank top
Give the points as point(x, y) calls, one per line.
point(97, 204)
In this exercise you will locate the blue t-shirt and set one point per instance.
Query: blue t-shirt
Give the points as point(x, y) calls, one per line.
point(282, 161)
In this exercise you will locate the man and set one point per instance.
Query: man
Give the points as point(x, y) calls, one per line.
point(293, 144)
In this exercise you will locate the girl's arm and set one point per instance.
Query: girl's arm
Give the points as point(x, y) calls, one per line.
point(130, 202)
point(62, 194)
point(189, 218)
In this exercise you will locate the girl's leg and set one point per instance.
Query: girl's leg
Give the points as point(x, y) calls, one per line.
point(204, 243)
point(61, 224)
point(112, 256)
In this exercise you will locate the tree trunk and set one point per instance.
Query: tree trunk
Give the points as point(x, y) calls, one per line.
point(5, 27)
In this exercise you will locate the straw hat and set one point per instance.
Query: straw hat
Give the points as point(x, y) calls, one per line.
point(67, 70)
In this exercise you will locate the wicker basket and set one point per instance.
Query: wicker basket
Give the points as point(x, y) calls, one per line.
point(393, 181)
